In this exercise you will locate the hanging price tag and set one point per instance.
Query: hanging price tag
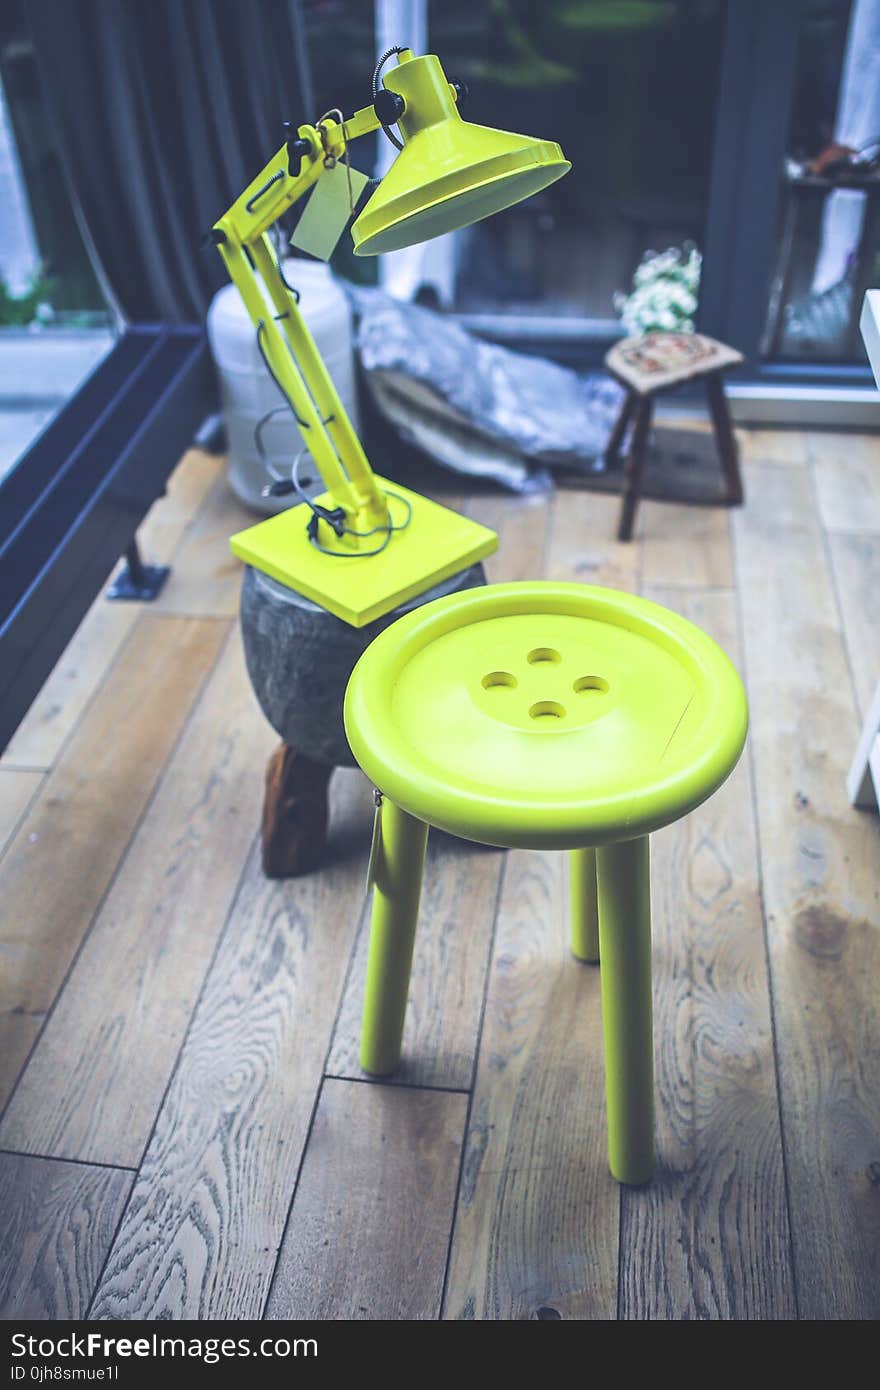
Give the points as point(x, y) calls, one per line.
point(376, 844)
point(326, 214)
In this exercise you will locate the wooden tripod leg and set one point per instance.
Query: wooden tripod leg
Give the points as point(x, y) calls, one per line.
point(635, 465)
point(615, 439)
point(725, 439)
point(294, 813)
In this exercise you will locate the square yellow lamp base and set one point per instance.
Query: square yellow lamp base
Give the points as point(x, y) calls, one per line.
point(436, 544)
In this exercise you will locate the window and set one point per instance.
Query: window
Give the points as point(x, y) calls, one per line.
point(54, 323)
point(629, 90)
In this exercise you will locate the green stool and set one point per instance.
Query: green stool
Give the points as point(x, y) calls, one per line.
point(542, 716)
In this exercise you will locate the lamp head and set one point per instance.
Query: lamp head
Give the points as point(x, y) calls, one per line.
point(450, 173)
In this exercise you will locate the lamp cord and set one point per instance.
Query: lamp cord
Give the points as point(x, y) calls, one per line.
point(389, 53)
point(282, 485)
point(319, 514)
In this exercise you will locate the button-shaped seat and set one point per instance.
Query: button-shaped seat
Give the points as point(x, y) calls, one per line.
point(542, 715)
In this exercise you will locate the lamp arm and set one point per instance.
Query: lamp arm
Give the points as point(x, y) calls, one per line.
point(290, 351)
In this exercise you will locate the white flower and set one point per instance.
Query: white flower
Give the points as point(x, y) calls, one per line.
point(664, 296)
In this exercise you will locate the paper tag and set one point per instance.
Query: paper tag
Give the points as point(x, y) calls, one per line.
point(327, 212)
point(376, 844)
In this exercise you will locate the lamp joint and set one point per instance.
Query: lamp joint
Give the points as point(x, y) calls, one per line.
point(389, 107)
point(297, 148)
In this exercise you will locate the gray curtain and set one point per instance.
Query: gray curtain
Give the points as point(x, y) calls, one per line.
point(163, 111)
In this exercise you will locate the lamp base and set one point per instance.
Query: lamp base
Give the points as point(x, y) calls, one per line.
point(435, 544)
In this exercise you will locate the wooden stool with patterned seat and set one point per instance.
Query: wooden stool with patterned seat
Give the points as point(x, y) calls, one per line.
point(649, 365)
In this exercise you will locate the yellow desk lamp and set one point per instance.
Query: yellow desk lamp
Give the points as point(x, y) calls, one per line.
point(366, 545)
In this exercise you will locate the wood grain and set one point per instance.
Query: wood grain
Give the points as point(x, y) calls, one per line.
point(537, 1218)
point(822, 898)
point(369, 1227)
point(686, 546)
point(778, 446)
point(448, 975)
point(521, 523)
point(95, 1081)
point(97, 641)
point(709, 1238)
point(169, 519)
point(202, 1230)
point(855, 561)
point(847, 470)
point(56, 1224)
point(81, 668)
point(536, 1230)
point(581, 545)
point(18, 787)
point(206, 578)
point(64, 854)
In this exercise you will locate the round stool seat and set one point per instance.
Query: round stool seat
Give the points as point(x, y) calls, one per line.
point(545, 715)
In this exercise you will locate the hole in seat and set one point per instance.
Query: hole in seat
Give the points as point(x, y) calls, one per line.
point(547, 709)
point(498, 678)
point(590, 683)
point(540, 654)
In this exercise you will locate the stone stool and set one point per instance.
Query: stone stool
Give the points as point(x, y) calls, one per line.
point(646, 367)
point(542, 716)
point(299, 658)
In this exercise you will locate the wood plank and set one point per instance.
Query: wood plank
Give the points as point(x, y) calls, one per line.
point(63, 856)
point(819, 861)
point(847, 469)
point(369, 1227)
point(206, 578)
point(777, 446)
point(172, 515)
point(100, 636)
point(709, 1238)
point(79, 672)
point(536, 1226)
point(783, 503)
point(686, 546)
point(18, 787)
point(95, 1081)
point(521, 523)
point(56, 1224)
point(448, 975)
point(582, 544)
point(202, 1231)
point(855, 560)
point(541, 1054)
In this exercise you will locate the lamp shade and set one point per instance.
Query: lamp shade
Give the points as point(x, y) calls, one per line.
point(450, 172)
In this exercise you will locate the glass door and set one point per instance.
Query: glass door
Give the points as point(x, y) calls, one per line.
point(792, 227)
point(747, 130)
point(630, 91)
point(828, 233)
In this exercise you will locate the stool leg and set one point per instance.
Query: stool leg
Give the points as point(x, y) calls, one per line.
point(635, 465)
point(398, 885)
point(625, 947)
point(615, 439)
point(295, 812)
point(725, 438)
point(584, 904)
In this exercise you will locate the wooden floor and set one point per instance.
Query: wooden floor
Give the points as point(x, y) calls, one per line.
point(186, 1130)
